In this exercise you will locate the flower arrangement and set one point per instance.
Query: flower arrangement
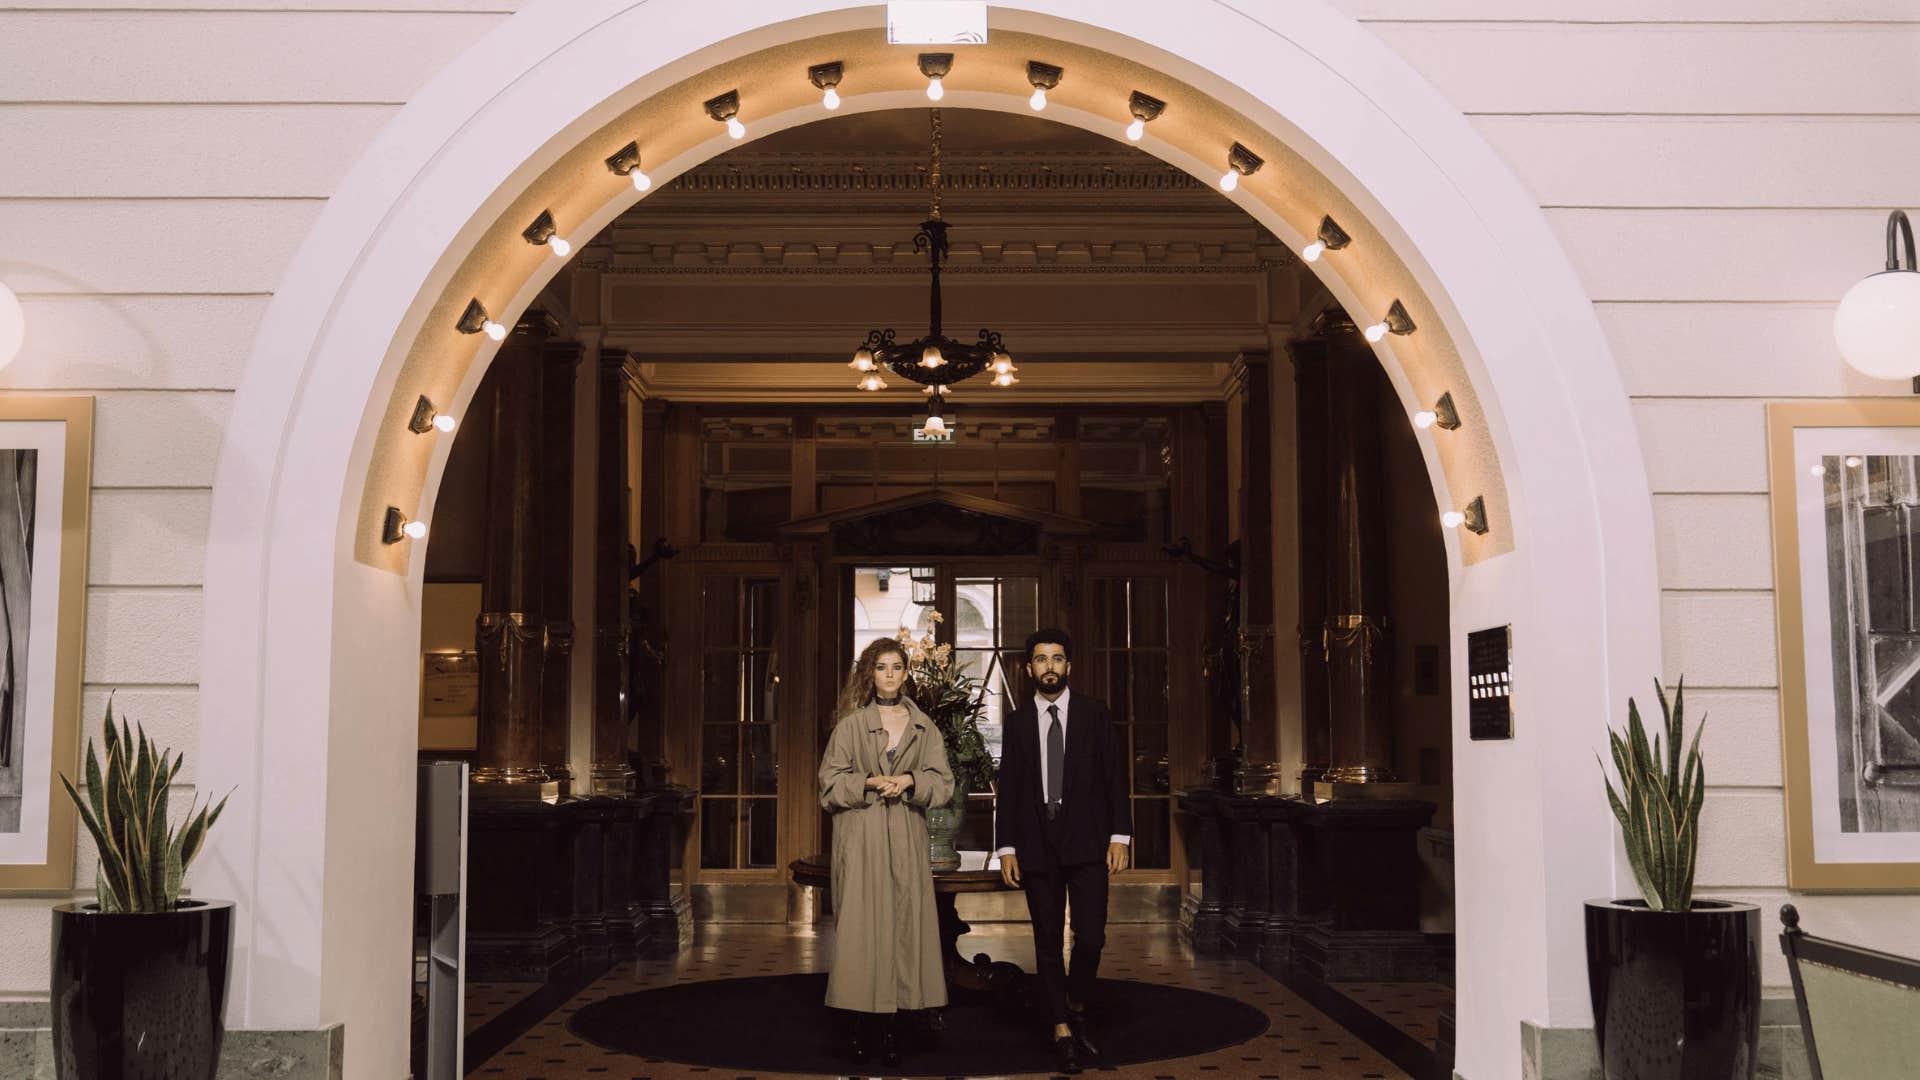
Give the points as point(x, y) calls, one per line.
point(954, 700)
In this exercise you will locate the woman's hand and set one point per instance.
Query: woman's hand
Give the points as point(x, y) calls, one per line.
point(891, 787)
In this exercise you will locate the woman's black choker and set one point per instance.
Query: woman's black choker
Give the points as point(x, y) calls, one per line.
point(886, 702)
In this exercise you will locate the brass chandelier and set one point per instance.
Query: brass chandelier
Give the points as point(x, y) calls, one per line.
point(934, 361)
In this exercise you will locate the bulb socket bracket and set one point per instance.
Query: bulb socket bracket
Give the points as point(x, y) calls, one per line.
point(473, 319)
point(1332, 235)
point(1145, 108)
point(1398, 321)
point(1475, 516)
point(423, 414)
point(624, 160)
point(390, 529)
point(936, 65)
point(1244, 161)
point(541, 230)
point(1445, 416)
point(826, 76)
point(725, 107)
point(1043, 76)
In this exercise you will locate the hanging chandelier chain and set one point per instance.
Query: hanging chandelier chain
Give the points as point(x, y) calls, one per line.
point(933, 176)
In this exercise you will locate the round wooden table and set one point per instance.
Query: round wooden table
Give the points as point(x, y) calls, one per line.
point(980, 974)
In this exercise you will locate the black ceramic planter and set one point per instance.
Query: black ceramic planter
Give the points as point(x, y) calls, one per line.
point(140, 997)
point(1676, 995)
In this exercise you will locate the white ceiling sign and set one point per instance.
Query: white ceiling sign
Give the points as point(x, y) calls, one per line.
point(937, 22)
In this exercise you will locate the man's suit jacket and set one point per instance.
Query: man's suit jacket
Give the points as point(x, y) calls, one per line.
point(1095, 807)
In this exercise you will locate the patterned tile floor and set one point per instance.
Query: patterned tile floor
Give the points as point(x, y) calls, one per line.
point(1414, 1008)
point(487, 1000)
point(1302, 1042)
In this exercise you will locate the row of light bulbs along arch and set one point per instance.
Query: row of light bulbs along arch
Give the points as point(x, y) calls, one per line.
point(935, 66)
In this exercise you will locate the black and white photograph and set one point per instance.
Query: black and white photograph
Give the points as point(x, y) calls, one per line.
point(18, 470)
point(1845, 480)
point(45, 471)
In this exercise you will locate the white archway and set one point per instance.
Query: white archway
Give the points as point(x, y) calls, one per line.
point(307, 666)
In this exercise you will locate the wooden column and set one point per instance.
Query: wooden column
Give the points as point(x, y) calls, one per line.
point(647, 598)
point(612, 774)
point(510, 632)
point(1358, 650)
point(1309, 358)
point(1254, 399)
point(553, 533)
point(1066, 475)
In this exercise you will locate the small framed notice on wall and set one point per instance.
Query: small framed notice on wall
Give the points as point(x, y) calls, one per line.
point(1490, 683)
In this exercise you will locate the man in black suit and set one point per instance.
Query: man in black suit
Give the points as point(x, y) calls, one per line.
point(1064, 826)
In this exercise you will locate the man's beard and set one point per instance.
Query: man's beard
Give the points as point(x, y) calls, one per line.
point(1053, 681)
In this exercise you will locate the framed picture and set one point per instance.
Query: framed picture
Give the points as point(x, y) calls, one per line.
point(46, 467)
point(1845, 482)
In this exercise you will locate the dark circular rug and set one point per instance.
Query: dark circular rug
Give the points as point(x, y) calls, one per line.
point(779, 1023)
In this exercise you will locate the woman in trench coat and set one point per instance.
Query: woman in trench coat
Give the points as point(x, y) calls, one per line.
point(885, 765)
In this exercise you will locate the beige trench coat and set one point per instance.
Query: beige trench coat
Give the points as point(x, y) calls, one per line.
point(886, 942)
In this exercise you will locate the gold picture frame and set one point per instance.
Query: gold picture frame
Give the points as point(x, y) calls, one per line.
point(1844, 481)
point(42, 438)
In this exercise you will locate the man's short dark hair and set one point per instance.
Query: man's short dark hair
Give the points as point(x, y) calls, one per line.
point(1050, 636)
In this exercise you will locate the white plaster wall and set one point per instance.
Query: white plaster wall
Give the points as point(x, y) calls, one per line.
point(158, 164)
point(1717, 170)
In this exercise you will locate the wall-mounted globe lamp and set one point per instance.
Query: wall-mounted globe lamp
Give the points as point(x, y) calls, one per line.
point(1877, 325)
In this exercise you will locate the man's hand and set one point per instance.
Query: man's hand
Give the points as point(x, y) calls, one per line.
point(1118, 856)
point(1010, 870)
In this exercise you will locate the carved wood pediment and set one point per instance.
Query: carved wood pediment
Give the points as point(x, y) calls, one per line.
point(937, 522)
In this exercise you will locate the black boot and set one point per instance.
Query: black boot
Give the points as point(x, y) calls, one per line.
point(890, 1041)
point(860, 1037)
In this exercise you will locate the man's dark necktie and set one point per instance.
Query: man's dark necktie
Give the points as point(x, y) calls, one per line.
point(1056, 761)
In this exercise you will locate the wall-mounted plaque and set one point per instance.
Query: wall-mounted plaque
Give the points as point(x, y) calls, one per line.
point(1490, 683)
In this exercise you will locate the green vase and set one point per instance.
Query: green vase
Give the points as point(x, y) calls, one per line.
point(943, 824)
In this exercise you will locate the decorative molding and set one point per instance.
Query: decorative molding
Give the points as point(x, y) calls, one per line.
point(1076, 257)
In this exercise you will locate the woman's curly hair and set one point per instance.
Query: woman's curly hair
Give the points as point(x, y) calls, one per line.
point(857, 692)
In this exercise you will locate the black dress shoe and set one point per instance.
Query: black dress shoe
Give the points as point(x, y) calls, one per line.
point(889, 1046)
point(1082, 1038)
point(1066, 1055)
point(860, 1044)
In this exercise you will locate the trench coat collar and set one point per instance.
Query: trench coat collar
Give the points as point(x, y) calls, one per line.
point(917, 722)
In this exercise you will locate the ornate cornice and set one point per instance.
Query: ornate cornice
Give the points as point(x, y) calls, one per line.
point(804, 175)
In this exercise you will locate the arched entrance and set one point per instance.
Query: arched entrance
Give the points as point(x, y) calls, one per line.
point(308, 674)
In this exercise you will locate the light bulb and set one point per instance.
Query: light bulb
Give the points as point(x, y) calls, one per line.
point(1424, 419)
point(1376, 331)
point(1853, 463)
point(831, 99)
point(735, 128)
point(1231, 180)
point(1002, 364)
point(13, 325)
point(862, 359)
point(1452, 519)
point(1005, 378)
point(414, 529)
point(444, 422)
point(559, 245)
point(872, 382)
point(1136, 129)
point(1039, 99)
point(935, 91)
point(1818, 470)
point(1314, 250)
point(934, 425)
point(641, 181)
point(930, 357)
point(494, 330)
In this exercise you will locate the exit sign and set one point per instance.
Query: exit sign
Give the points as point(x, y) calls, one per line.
point(944, 438)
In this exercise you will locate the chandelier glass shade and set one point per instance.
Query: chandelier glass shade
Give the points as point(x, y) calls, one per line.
point(934, 360)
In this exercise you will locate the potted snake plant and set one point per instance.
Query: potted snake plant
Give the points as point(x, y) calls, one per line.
point(139, 974)
point(1675, 981)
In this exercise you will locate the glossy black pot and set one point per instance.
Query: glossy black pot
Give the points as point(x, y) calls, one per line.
point(1676, 994)
point(140, 997)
